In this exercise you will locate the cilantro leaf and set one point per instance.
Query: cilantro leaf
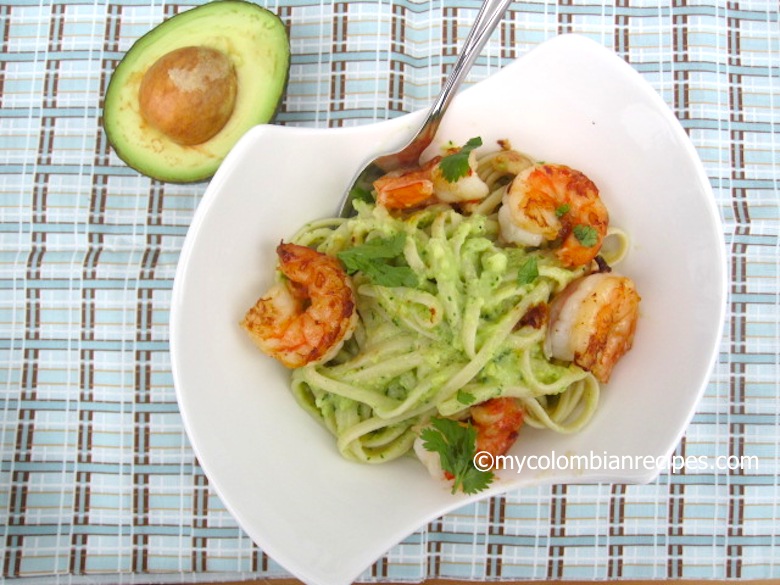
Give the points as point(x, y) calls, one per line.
point(562, 210)
point(465, 397)
point(434, 441)
point(378, 248)
point(586, 235)
point(456, 445)
point(456, 165)
point(528, 272)
point(381, 260)
point(476, 482)
point(387, 275)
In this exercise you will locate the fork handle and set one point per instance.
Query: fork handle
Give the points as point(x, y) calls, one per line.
point(490, 14)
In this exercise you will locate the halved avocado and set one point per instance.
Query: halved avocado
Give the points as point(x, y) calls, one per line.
point(249, 47)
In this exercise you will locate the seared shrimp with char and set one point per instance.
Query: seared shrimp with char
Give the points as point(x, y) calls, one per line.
point(558, 205)
point(406, 188)
point(427, 184)
point(307, 317)
point(496, 421)
point(593, 321)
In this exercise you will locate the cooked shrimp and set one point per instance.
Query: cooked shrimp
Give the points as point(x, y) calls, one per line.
point(417, 187)
point(592, 322)
point(307, 318)
point(469, 187)
point(555, 203)
point(407, 188)
point(430, 459)
point(497, 421)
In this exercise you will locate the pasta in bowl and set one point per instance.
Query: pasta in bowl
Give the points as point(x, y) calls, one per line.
point(324, 517)
point(471, 289)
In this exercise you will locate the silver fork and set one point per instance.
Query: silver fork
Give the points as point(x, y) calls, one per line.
point(490, 14)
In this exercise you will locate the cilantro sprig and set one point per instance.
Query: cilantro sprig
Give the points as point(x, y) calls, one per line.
point(381, 260)
point(586, 235)
point(456, 165)
point(456, 445)
point(528, 271)
point(465, 397)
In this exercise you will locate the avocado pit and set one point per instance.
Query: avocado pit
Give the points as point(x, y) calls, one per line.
point(189, 94)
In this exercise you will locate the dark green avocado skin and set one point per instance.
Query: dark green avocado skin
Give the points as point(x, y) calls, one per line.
point(253, 37)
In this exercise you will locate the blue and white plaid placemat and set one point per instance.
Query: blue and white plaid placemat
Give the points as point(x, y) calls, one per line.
point(97, 479)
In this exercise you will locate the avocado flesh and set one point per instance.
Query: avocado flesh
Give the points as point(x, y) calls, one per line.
point(256, 42)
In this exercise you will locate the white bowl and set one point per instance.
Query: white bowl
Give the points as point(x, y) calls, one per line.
point(326, 519)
